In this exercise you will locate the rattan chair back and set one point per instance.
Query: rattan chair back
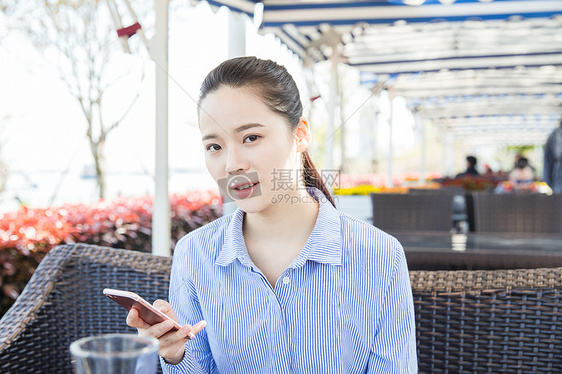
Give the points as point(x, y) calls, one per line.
point(495, 321)
point(532, 213)
point(413, 212)
point(498, 321)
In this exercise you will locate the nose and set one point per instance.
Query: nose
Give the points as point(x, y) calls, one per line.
point(235, 161)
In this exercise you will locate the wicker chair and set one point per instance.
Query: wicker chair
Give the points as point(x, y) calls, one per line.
point(64, 302)
point(495, 321)
point(413, 212)
point(501, 321)
point(533, 213)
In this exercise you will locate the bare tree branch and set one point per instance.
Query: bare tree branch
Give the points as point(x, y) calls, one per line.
point(83, 37)
point(133, 101)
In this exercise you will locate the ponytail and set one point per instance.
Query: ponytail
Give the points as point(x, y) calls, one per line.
point(312, 178)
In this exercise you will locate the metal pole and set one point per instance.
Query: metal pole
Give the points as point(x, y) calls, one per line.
point(449, 153)
point(236, 35)
point(331, 111)
point(236, 48)
point(421, 128)
point(161, 226)
point(343, 163)
point(390, 181)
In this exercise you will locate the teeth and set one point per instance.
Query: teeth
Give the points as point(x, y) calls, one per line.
point(245, 187)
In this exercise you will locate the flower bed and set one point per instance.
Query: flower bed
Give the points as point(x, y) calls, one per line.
point(28, 234)
point(368, 189)
point(366, 184)
point(471, 183)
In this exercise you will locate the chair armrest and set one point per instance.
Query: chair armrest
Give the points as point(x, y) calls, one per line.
point(63, 302)
point(15, 344)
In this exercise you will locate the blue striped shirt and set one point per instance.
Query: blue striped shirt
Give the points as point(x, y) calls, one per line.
point(344, 305)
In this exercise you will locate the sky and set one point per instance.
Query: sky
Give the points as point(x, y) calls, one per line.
point(43, 131)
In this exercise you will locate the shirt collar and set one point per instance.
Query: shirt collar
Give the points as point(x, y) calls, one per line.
point(324, 244)
point(234, 246)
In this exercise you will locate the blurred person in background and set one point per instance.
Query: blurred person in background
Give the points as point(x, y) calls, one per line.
point(471, 162)
point(522, 177)
point(517, 163)
point(553, 160)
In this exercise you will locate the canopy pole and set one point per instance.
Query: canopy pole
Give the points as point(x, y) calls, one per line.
point(449, 153)
point(236, 48)
point(375, 135)
point(332, 110)
point(420, 125)
point(390, 181)
point(236, 35)
point(161, 226)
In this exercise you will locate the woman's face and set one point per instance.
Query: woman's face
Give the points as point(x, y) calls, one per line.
point(248, 148)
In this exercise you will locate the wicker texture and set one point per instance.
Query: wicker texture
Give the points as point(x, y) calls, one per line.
point(64, 302)
point(533, 213)
point(413, 212)
point(500, 321)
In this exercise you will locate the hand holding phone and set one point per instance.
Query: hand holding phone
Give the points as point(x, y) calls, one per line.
point(148, 313)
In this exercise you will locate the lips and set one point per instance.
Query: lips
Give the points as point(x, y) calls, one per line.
point(243, 186)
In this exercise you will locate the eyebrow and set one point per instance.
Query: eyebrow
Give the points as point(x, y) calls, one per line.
point(237, 130)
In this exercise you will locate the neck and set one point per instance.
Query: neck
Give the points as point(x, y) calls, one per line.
point(273, 224)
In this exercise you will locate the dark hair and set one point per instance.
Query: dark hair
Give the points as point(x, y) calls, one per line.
point(471, 160)
point(522, 163)
point(276, 88)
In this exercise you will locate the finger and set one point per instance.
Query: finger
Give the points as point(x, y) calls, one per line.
point(188, 332)
point(160, 329)
point(198, 327)
point(134, 320)
point(165, 308)
point(173, 338)
point(185, 333)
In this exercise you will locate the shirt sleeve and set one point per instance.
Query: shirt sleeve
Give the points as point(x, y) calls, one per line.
point(198, 357)
point(394, 346)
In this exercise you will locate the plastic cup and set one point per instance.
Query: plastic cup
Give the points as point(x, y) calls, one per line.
point(115, 354)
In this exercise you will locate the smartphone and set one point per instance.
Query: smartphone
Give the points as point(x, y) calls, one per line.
point(146, 311)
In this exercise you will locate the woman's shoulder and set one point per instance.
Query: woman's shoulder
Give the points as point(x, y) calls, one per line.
point(369, 250)
point(352, 223)
point(367, 240)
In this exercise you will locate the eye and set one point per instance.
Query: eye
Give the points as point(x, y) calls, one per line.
point(213, 147)
point(251, 138)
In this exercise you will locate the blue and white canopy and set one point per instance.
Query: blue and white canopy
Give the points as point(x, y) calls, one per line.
point(488, 67)
point(377, 34)
point(494, 106)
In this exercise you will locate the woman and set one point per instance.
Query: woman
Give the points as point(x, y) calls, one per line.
point(287, 283)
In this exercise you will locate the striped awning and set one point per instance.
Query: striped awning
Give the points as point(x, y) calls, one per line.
point(368, 29)
point(478, 66)
point(494, 106)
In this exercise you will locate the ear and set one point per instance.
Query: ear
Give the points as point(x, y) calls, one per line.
point(303, 135)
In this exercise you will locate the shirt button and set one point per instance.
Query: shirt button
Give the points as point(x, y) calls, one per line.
point(286, 280)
